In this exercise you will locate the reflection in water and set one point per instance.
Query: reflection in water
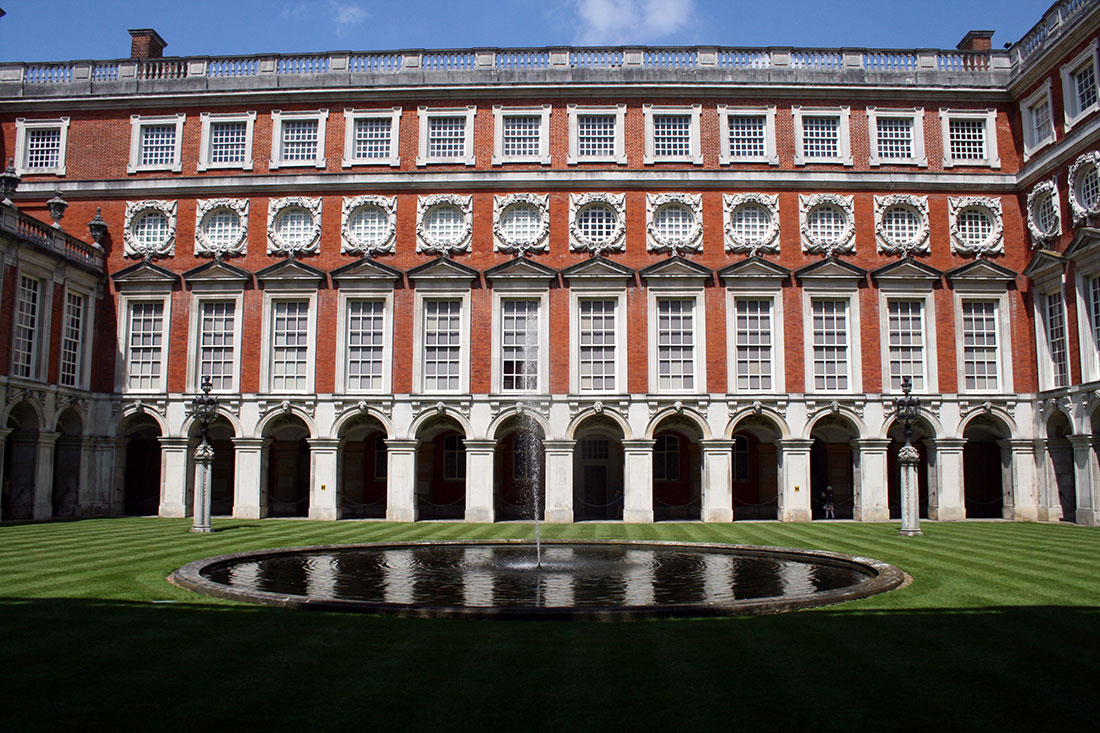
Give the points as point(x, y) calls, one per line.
point(482, 576)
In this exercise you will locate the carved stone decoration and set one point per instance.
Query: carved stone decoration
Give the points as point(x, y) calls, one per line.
point(137, 240)
point(310, 240)
point(965, 243)
point(583, 204)
point(506, 240)
point(430, 242)
point(1044, 214)
point(766, 238)
point(811, 206)
point(205, 211)
point(889, 239)
point(1083, 179)
point(352, 242)
point(657, 204)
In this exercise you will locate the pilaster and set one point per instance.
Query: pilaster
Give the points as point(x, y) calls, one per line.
point(950, 498)
point(479, 480)
point(43, 475)
point(1025, 492)
point(324, 497)
point(559, 479)
point(248, 478)
point(872, 502)
point(401, 481)
point(638, 481)
point(4, 432)
point(794, 494)
point(174, 465)
point(717, 480)
point(1085, 475)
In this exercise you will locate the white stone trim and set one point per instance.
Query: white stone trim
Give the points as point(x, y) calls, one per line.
point(40, 337)
point(275, 207)
point(654, 293)
point(1089, 160)
point(916, 114)
point(577, 293)
point(349, 293)
point(886, 244)
point(1042, 289)
point(770, 155)
point(278, 117)
point(655, 242)
point(207, 120)
point(1035, 197)
point(350, 243)
point(844, 147)
point(994, 243)
point(732, 202)
point(426, 113)
point(122, 376)
point(22, 126)
point(448, 293)
point(991, 159)
point(542, 295)
point(501, 203)
point(88, 330)
point(1072, 114)
point(996, 293)
point(203, 244)
point(542, 112)
point(619, 155)
point(779, 349)
point(132, 246)
point(846, 242)
point(427, 244)
point(351, 116)
point(578, 242)
point(1032, 144)
point(236, 296)
point(926, 295)
point(137, 123)
point(855, 341)
point(1085, 267)
point(270, 297)
point(649, 111)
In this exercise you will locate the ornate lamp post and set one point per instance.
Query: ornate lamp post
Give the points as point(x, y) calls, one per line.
point(9, 181)
point(205, 409)
point(908, 410)
point(97, 227)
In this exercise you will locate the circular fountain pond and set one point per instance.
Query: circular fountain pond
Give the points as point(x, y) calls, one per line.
point(598, 580)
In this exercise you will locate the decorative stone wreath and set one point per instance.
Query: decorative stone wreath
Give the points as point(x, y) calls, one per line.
point(503, 241)
point(1085, 165)
point(735, 241)
point(888, 243)
point(1044, 194)
point(658, 241)
point(580, 242)
point(205, 209)
point(993, 243)
point(808, 204)
point(135, 212)
point(351, 243)
point(276, 208)
point(426, 243)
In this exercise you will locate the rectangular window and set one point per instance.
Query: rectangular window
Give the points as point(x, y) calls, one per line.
point(381, 464)
point(754, 344)
point(519, 340)
point(967, 139)
point(216, 321)
point(521, 136)
point(158, 145)
point(906, 343)
point(228, 142)
point(1094, 309)
point(446, 137)
point(1084, 86)
point(143, 366)
point(365, 344)
point(672, 136)
point(597, 344)
point(666, 458)
point(372, 137)
point(895, 138)
point(289, 345)
point(43, 149)
point(442, 345)
point(1040, 122)
point(675, 345)
point(72, 332)
point(595, 136)
point(26, 327)
point(454, 458)
point(980, 348)
point(830, 343)
point(299, 140)
point(747, 136)
point(1056, 339)
point(820, 137)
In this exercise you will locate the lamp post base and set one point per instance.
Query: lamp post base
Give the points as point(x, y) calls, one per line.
point(910, 533)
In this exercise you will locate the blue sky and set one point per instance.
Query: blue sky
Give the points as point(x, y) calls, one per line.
point(38, 30)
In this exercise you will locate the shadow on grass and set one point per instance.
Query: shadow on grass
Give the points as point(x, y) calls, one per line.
point(71, 663)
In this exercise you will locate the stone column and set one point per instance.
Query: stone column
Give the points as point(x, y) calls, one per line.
point(323, 495)
point(106, 475)
point(717, 480)
point(559, 479)
point(173, 477)
point(118, 488)
point(872, 503)
point(1085, 475)
point(479, 480)
point(249, 498)
point(794, 493)
point(1025, 495)
point(4, 478)
point(908, 459)
point(638, 481)
point(204, 458)
point(951, 503)
point(401, 481)
point(43, 475)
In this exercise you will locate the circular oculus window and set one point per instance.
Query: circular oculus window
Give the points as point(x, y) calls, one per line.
point(222, 227)
point(370, 225)
point(294, 226)
point(673, 223)
point(1044, 215)
point(750, 223)
point(151, 228)
point(826, 223)
point(597, 222)
point(521, 224)
point(1086, 189)
point(974, 225)
point(445, 224)
point(901, 224)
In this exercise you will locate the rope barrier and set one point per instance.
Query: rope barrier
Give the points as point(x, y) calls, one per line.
point(772, 502)
point(613, 502)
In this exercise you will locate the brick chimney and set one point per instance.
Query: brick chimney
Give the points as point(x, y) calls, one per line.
point(976, 41)
point(146, 43)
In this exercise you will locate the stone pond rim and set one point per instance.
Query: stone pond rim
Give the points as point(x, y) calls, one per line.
point(881, 577)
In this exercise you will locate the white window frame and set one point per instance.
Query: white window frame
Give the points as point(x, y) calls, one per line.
point(576, 295)
point(1072, 113)
point(342, 348)
point(84, 353)
point(266, 344)
point(278, 117)
point(43, 316)
point(928, 316)
point(778, 371)
point(541, 295)
point(123, 371)
point(657, 293)
point(844, 146)
point(139, 123)
point(424, 114)
point(463, 296)
point(1032, 144)
point(542, 112)
point(207, 121)
point(194, 343)
point(991, 159)
point(770, 155)
point(693, 112)
point(576, 111)
point(1004, 343)
point(352, 116)
point(916, 116)
point(855, 348)
point(22, 127)
point(1043, 351)
point(1085, 269)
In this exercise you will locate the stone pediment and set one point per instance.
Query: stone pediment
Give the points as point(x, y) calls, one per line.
point(1044, 262)
point(598, 268)
point(907, 270)
point(217, 272)
point(521, 270)
point(290, 271)
point(981, 270)
point(831, 269)
point(145, 275)
point(365, 270)
point(676, 268)
point(754, 270)
point(1087, 239)
point(443, 269)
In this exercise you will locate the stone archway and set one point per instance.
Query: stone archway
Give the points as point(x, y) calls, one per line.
point(984, 468)
point(286, 492)
point(67, 464)
point(923, 439)
point(364, 468)
point(141, 484)
point(832, 465)
point(441, 470)
point(755, 469)
point(598, 470)
point(20, 463)
point(677, 470)
point(519, 465)
point(1061, 476)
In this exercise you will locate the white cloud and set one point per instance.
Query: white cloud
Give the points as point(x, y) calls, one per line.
point(614, 22)
point(342, 15)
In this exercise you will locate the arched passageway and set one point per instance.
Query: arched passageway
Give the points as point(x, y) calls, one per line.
point(519, 464)
point(923, 434)
point(364, 468)
point(141, 485)
point(598, 470)
point(441, 470)
point(1061, 476)
point(832, 466)
point(677, 470)
point(223, 470)
point(20, 463)
point(65, 496)
point(984, 468)
point(288, 468)
point(755, 469)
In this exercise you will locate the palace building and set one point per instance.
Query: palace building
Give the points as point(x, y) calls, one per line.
point(634, 283)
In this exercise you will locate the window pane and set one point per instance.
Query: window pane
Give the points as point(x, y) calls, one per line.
point(1056, 339)
point(372, 137)
point(520, 344)
point(146, 332)
point(442, 345)
point(597, 344)
point(520, 135)
point(158, 144)
point(299, 141)
point(675, 345)
point(446, 137)
point(821, 137)
point(672, 136)
point(753, 340)
point(967, 139)
point(595, 135)
point(227, 142)
point(43, 148)
point(906, 335)
point(830, 344)
point(746, 135)
point(365, 344)
point(980, 348)
point(26, 326)
point(71, 339)
point(895, 137)
point(216, 344)
point(289, 345)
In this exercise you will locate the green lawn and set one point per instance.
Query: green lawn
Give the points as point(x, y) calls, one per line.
point(998, 630)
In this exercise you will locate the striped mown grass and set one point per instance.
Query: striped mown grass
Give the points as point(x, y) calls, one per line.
point(998, 630)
